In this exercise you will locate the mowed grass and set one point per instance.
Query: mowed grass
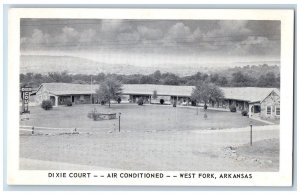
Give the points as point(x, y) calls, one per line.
point(136, 118)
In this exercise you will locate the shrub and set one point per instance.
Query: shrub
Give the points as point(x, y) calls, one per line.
point(119, 100)
point(93, 115)
point(162, 101)
point(244, 113)
point(46, 104)
point(68, 102)
point(232, 108)
point(194, 103)
point(140, 101)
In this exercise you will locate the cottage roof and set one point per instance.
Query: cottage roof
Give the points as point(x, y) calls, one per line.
point(135, 89)
point(67, 88)
point(250, 94)
point(167, 90)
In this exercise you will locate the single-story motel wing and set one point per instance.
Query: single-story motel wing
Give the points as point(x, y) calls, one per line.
point(259, 102)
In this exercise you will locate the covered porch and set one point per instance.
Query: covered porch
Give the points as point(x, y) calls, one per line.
point(58, 100)
point(254, 109)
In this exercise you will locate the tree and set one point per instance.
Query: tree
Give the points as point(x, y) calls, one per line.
point(140, 101)
point(222, 82)
point(214, 78)
point(119, 100)
point(278, 81)
point(241, 80)
point(268, 80)
point(157, 75)
point(100, 77)
point(46, 104)
point(145, 79)
point(206, 92)
point(109, 89)
point(170, 79)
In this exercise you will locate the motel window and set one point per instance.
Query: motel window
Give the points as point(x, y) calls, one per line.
point(269, 109)
point(277, 111)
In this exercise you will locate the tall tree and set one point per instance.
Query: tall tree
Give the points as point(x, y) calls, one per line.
point(222, 82)
point(206, 92)
point(170, 79)
point(157, 75)
point(146, 79)
point(214, 78)
point(241, 80)
point(268, 80)
point(110, 89)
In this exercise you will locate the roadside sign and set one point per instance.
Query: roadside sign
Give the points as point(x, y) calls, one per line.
point(25, 98)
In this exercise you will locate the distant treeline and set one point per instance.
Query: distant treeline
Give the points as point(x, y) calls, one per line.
point(238, 77)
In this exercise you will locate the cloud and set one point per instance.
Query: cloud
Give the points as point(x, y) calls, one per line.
point(236, 38)
point(197, 34)
point(176, 37)
point(255, 40)
point(258, 45)
point(149, 33)
point(178, 31)
point(37, 37)
point(177, 34)
point(129, 37)
point(36, 40)
point(88, 35)
point(114, 26)
point(68, 35)
point(230, 28)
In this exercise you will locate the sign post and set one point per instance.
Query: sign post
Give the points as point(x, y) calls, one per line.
point(119, 121)
point(250, 132)
point(25, 94)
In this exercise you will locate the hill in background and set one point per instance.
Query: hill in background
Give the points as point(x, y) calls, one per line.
point(75, 65)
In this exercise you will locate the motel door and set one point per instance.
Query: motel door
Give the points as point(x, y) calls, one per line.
point(52, 98)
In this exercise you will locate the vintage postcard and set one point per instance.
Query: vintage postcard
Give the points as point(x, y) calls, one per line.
point(158, 97)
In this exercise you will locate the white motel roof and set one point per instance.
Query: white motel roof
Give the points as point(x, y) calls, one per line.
point(250, 94)
point(163, 90)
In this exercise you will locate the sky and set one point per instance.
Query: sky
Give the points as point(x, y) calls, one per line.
point(148, 42)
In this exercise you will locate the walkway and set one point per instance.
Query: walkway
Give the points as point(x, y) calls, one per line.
point(263, 121)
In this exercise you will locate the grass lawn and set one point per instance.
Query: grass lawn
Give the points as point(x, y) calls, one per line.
point(136, 118)
point(153, 137)
point(153, 151)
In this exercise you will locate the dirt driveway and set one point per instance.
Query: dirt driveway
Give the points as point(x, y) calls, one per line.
point(205, 150)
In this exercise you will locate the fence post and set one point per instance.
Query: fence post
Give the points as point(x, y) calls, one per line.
point(119, 121)
point(32, 132)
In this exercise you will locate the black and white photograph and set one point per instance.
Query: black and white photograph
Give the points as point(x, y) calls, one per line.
point(150, 95)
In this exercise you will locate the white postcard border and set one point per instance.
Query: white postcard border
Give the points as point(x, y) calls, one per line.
point(281, 178)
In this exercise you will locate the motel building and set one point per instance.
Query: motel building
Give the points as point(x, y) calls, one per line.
point(259, 102)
